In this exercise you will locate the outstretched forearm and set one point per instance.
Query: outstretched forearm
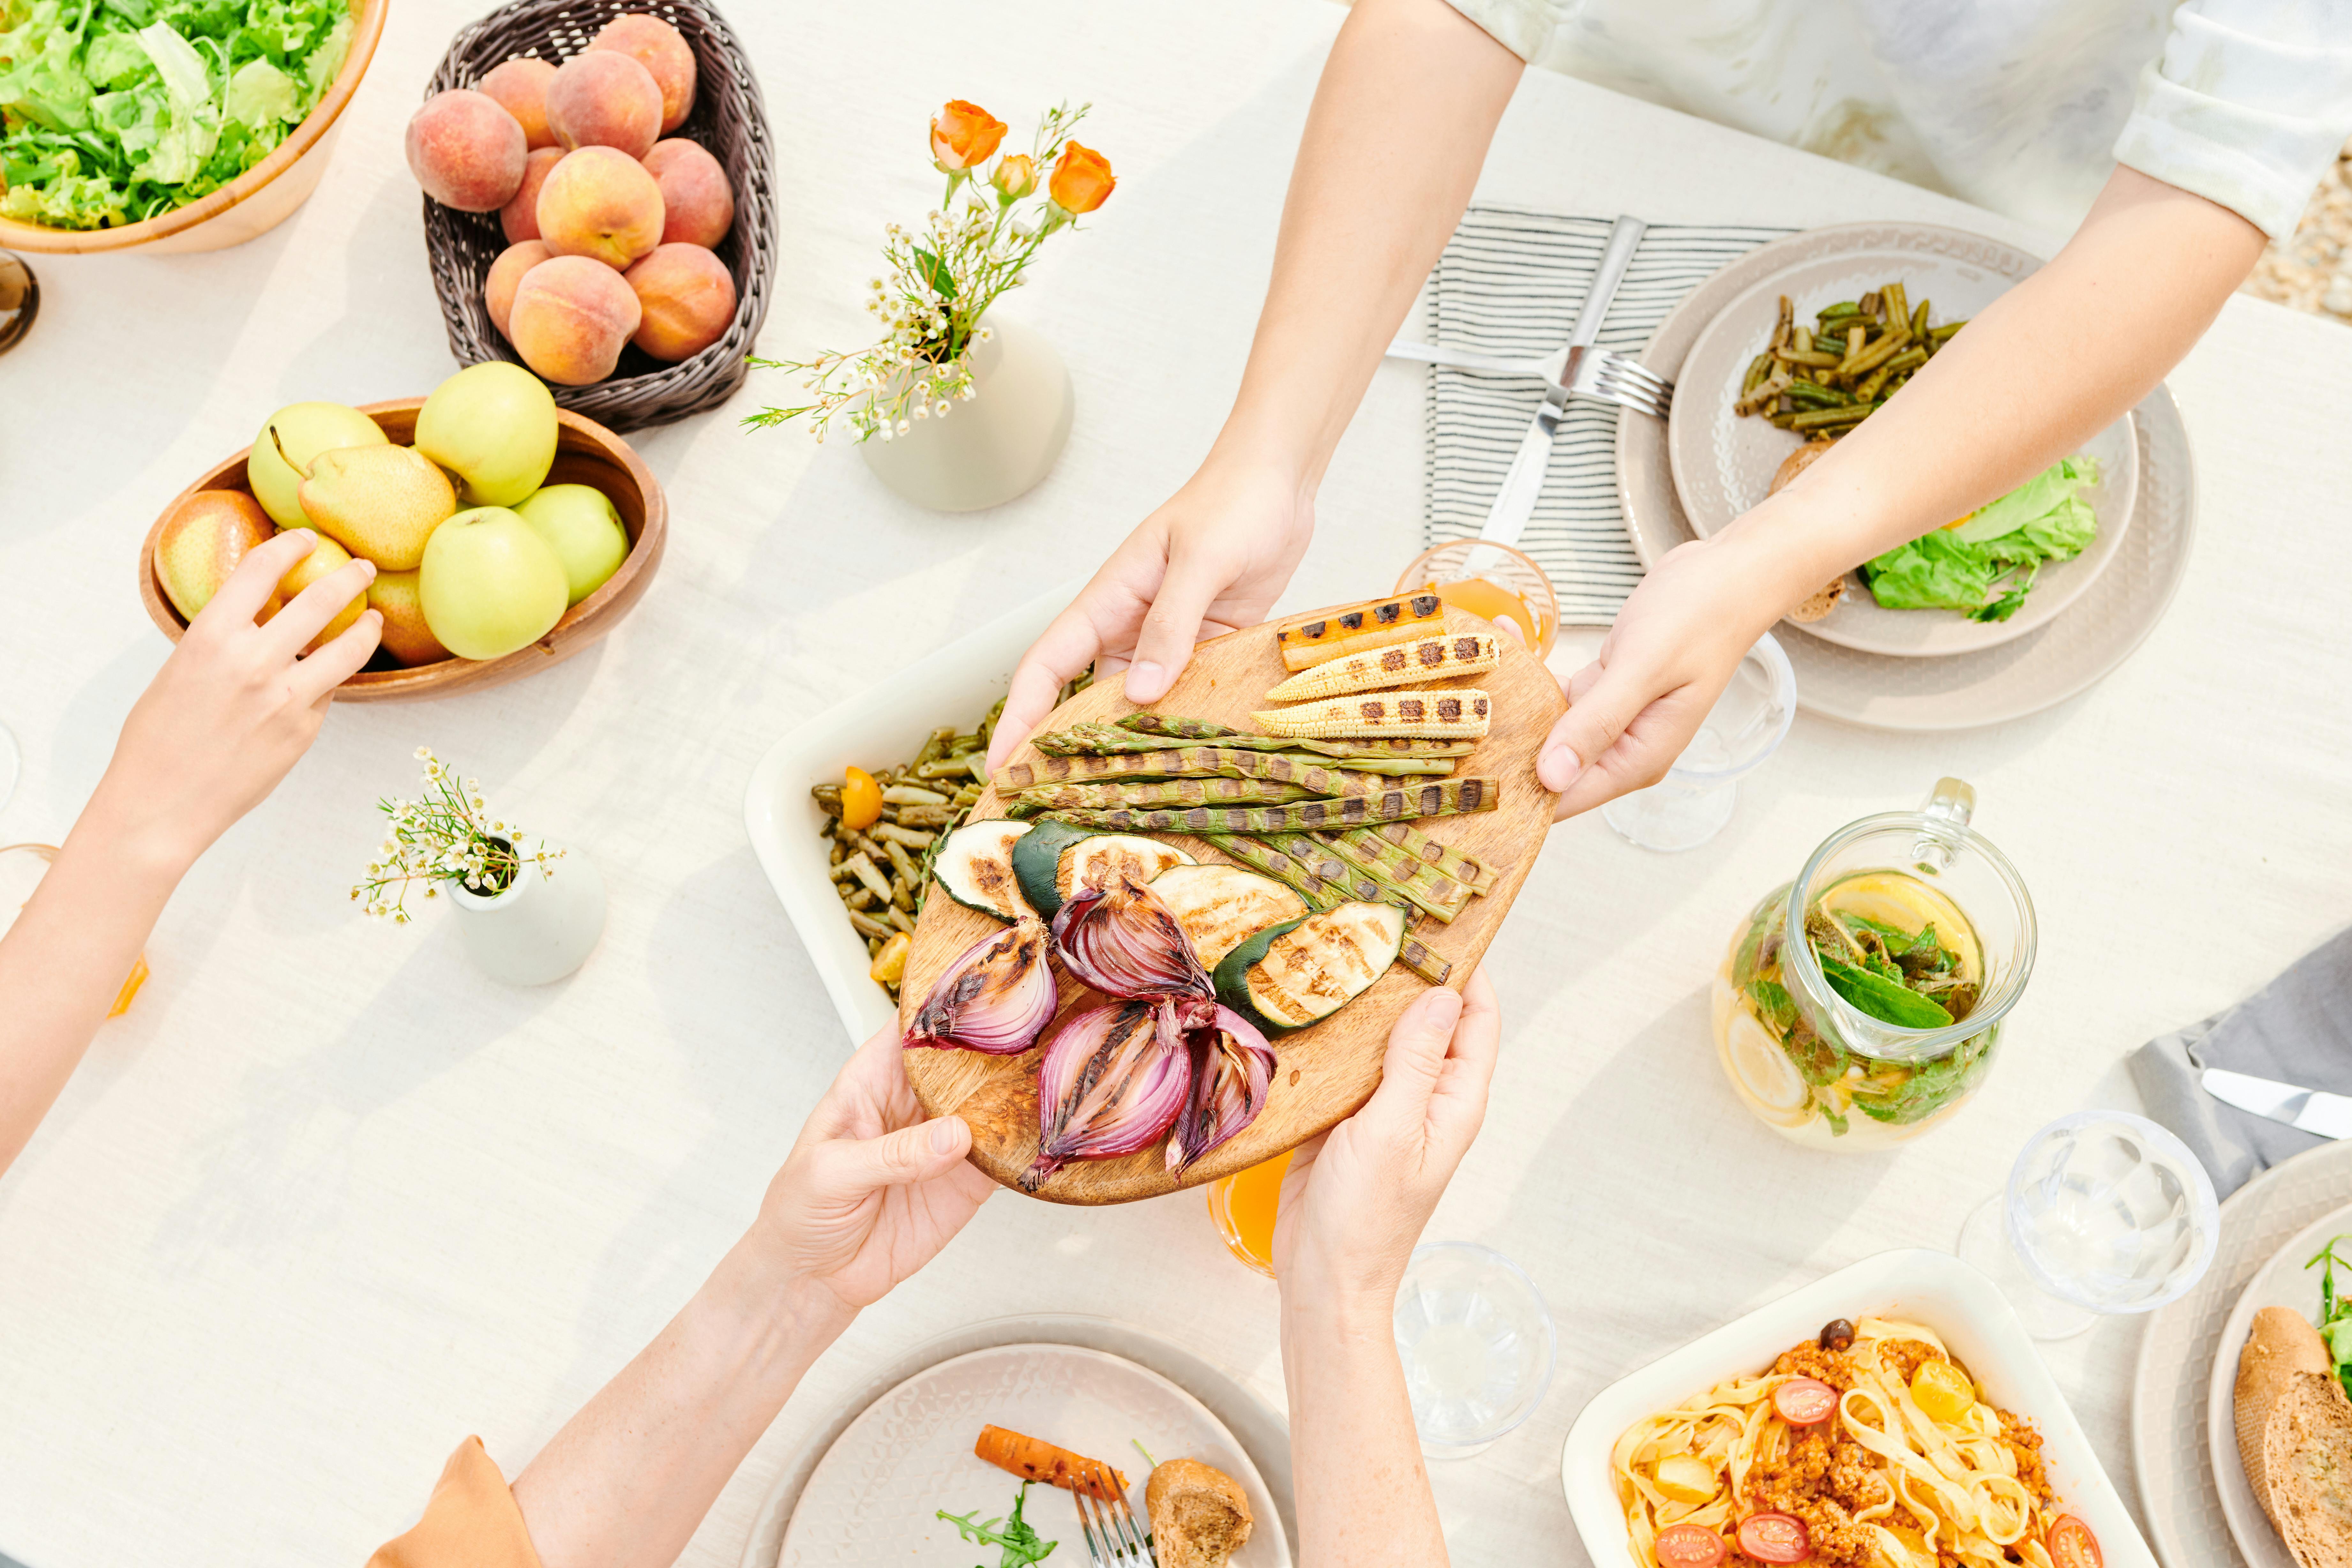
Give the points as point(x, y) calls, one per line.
point(2034, 375)
point(1362, 1490)
point(627, 1480)
point(1407, 104)
point(64, 961)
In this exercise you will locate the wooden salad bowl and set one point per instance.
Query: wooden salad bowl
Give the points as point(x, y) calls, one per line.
point(1323, 1072)
point(254, 202)
point(585, 454)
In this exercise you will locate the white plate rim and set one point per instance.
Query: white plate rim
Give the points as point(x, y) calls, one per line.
point(1227, 1395)
point(2250, 1526)
point(2041, 609)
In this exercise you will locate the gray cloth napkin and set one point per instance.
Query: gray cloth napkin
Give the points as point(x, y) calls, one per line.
point(2297, 1029)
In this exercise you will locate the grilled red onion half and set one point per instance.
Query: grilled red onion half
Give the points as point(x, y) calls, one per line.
point(1111, 1082)
point(1232, 1068)
point(1125, 941)
point(996, 999)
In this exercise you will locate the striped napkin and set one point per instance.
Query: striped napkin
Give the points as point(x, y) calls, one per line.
point(1510, 284)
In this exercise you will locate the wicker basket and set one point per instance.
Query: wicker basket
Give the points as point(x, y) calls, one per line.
point(729, 119)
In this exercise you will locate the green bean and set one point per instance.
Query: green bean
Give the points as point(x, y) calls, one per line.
point(1898, 302)
point(1943, 335)
point(1801, 339)
point(1758, 369)
point(1808, 357)
point(1812, 396)
point(1877, 353)
point(1828, 418)
point(1842, 308)
point(1920, 323)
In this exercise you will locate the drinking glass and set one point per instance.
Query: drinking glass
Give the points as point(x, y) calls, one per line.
point(1243, 1207)
point(1477, 1343)
point(2105, 1214)
point(1490, 580)
point(22, 867)
point(1746, 724)
point(20, 300)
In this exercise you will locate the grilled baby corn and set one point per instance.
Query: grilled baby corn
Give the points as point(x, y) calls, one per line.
point(1352, 628)
point(1402, 664)
point(1447, 715)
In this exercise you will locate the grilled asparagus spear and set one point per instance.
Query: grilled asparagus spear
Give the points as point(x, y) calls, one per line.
point(1474, 875)
point(1438, 797)
point(1348, 750)
point(1429, 890)
point(1154, 793)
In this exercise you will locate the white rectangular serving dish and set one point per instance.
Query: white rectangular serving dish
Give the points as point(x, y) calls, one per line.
point(879, 727)
point(1934, 1289)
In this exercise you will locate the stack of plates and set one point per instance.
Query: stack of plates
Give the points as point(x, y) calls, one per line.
point(1905, 669)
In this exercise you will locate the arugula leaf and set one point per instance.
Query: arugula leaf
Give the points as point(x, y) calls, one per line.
point(1885, 1000)
point(1020, 1544)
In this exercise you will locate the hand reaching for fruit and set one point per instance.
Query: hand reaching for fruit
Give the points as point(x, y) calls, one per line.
point(234, 706)
point(232, 709)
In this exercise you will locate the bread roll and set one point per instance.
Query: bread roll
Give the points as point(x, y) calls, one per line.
point(2295, 1436)
point(1199, 1515)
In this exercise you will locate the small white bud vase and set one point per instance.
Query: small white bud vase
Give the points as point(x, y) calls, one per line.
point(539, 930)
point(993, 447)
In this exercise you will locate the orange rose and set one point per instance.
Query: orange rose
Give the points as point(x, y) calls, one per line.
point(1015, 177)
point(1082, 180)
point(963, 135)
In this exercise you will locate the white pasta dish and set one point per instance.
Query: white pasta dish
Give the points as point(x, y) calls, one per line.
point(1868, 1448)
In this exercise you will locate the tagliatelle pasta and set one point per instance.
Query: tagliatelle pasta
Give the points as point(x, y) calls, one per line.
point(1909, 1467)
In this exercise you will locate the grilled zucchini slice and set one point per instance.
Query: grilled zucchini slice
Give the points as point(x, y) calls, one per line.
point(1219, 906)
point(1094, 860)
point(1037, 859)
point(1291, 974)
point(975, 867)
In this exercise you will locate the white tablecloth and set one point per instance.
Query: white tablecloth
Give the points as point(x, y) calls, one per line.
point(326, 1201)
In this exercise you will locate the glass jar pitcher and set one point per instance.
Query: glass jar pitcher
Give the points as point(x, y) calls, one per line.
point(1913, 937)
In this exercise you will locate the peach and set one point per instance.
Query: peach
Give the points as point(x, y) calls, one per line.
point(663, 50)
point(599, 201)
point(570, 318)
point(505, 277)
point(520, 87)
point(466, 151)
point(602, 99)
point(698, 204)
point(519, 217)
point(686, 297)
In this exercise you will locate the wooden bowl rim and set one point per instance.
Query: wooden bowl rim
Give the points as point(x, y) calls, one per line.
point(41, 239)
point(644, 553)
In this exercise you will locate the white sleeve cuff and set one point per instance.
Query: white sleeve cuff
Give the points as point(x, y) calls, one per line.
point(2248, 119)
point(1522, 27)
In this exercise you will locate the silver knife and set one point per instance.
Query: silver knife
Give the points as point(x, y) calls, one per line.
point(2306, 1110)
point(1516, 501)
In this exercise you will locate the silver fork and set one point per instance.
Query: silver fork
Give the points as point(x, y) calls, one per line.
point(1114, 1538)
point(1576, 370)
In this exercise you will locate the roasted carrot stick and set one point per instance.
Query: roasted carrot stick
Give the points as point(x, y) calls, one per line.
point(1035, 1460)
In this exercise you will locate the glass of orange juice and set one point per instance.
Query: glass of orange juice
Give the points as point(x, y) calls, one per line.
point(22, 867)
point(1243, 1206)
point(1490, 580)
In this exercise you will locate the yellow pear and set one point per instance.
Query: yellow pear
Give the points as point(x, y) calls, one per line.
point(326, 556)
point(381, 502)
point(406, 636)
point(204, 538)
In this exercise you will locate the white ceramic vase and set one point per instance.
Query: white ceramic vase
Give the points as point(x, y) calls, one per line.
point(994, 447)
point(540, 928)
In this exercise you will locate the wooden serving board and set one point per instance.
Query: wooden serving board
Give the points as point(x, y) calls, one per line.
point(1323, 1072)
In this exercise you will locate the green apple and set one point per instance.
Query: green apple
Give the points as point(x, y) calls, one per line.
point(493, 426)
point(581, 524)
point(489, 584)
point(287, 442)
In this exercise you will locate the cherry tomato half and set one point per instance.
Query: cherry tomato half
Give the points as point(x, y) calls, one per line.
point(1688, 1546)
point(1775, 1538)
point(1805, 1401)
point(2072, 1545)
point(861, 799)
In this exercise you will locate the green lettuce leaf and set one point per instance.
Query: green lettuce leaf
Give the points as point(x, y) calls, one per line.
point(1985, 566)
point(1933, 571)
point(2052, 487)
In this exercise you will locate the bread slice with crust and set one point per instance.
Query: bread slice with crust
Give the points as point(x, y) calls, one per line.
point(2295, 1436)
point(1199, 1515)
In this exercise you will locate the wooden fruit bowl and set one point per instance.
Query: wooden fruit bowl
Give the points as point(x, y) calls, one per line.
point(585, 454)
point(254, 202)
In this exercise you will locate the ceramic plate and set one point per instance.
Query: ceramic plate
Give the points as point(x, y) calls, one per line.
point(1723, 464)
point(1958, 691)
point(2172, 1384)
point(875, 1496)
point(2283, 1281)
point(1931, 1287)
